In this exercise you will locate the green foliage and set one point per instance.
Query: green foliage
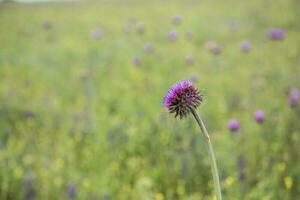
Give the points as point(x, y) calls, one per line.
point(75, 110)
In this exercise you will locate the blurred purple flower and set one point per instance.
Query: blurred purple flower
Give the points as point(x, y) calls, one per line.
point(189, 60)
point(233, 125)
point(245, 46)
point(214, 47)
point(71, 191)
point(172, 35)
point(47, 25)
point(181, 97)
point(294, 96)
point(136, 60)
point(259, 116)
point(96, 33)
point(176, 20)
point(148, 48)
point(276, 34)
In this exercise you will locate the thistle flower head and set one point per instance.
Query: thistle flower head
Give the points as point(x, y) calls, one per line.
point(96, 33)
point(71, 190)
point(276, 34)
point(233, 125)
point(136, 60)
point(189, 60)
point(148, 48)
point(172, 35)
point(294, 96)
point(47, 25)
point(181, 97)
point(245, 46)
point(259, 116)
point(176, 20)
point(214, 47)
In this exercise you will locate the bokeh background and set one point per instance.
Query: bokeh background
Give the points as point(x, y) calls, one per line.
point(82, 84)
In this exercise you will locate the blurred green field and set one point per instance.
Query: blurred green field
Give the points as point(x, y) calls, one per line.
point(80, 120)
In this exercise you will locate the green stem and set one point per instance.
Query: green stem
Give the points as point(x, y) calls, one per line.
point(211, 154)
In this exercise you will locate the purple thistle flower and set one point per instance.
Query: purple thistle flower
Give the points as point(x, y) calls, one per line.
point(176, 20)
point(181, 97)
point(294, 96)
point(233, 125)
point(172, 36)
point(71, 191)
point(259, 116)
point(96, 33)
point(148, 48)
point(47, 25)
point(276, 34)
point(214, 47)
point(245, 46)
point(136, 60)
point(189, 60)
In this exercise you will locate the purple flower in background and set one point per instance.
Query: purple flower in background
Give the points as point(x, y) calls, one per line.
point(189, 35)
point(140, 28)
point(245, 46)
point(181, 97)
point(176, 20)
point(148, 48)
point(172, 36)
point(71, 191)
point(136, 60)
point(233, 125)
point(96, 33)
point(189, 60)
point(214, 47)
point(294, 96)
point(259, 116)
point(47, 25)
point(276, 34)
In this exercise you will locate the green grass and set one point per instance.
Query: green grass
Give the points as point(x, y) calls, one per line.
point(77, 111)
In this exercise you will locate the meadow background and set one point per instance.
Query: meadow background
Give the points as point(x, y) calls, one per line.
point(82, 84)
